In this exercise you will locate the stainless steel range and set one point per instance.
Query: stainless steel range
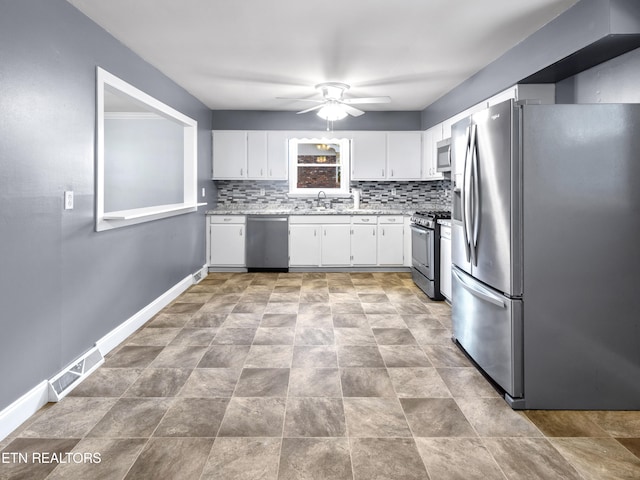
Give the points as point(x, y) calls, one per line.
point(425, 251)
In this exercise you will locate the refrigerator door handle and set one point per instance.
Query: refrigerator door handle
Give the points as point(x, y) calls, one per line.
point(475, 199)
point(466, 185)
point(480, 292)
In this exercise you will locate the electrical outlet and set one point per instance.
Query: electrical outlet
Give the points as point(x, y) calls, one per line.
point(393, 192)
point(203, 192)
point(68, 200)
point(262, 192)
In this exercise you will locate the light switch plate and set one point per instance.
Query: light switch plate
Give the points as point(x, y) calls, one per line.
point(68, 200)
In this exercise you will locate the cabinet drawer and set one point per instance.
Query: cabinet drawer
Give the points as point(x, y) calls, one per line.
point(226, 219)
point(364, 219)
point(391, 219)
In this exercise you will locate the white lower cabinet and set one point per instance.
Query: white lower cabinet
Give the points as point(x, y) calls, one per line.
point(335, 245)
point(226, 241)
point(343, 241)
point(445, 261)
point(304, 245)
point(390, 245)
point(319, 240)
point(364, 241)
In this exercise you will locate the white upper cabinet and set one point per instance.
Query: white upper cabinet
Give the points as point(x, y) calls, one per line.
point(404, 155)
point(257, 155)
point(368, 155)
point(386, 155)
point(277, 155)
point(429, 163)
point(250, 155)
point(229, 154)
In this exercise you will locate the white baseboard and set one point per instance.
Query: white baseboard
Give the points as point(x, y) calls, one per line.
point(19, 411)
point(15, 414)
point(116, 336)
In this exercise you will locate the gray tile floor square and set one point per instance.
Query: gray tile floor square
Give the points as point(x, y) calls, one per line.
point(279, 376)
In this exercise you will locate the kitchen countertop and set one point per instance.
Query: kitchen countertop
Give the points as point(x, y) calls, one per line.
point(308, 211)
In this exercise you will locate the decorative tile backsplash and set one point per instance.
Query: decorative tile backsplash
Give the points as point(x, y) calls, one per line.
point(419, 195)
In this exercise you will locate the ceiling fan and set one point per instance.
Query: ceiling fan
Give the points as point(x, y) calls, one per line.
point(333, 106)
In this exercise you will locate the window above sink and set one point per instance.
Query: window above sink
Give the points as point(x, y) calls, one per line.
point(319, 165)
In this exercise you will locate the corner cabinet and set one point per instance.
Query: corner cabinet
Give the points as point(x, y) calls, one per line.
point(250, 155)
point(226, 241)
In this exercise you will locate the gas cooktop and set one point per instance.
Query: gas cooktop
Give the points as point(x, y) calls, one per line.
point(433, 214)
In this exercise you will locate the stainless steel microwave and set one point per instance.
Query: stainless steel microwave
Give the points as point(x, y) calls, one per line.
point(443, 152)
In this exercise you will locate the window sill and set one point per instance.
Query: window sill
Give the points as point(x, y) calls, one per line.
point(123, 218)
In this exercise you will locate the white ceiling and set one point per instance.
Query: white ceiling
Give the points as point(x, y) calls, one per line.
point(242, 54)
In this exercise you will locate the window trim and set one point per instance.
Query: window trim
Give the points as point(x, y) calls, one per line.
point(345, 162)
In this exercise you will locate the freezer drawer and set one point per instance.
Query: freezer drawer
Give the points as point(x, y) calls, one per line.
point(488, 326)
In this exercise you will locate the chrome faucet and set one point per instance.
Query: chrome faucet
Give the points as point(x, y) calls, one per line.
point(324, 196)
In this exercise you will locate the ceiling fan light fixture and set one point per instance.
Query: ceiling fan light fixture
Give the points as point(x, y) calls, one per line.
point(332, 112)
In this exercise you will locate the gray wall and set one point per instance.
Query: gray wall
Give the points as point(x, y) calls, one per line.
point(269, 120)
point(615, 81)
point(143, 163)
point(590, 32)
point(62, 285)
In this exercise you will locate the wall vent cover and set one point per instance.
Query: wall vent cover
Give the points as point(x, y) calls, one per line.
point(70, 377)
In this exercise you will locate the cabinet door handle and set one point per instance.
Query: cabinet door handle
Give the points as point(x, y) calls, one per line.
point(383, 172)
point(374, 232)
point(227, 220)
point(315, 233)
point(365, 219)
point(240, 231)
point(383, 232)
point(270, 173)
point(261, 172)
point(325, 232)
point(392, 172)
point(241, 172)
point(392, 219)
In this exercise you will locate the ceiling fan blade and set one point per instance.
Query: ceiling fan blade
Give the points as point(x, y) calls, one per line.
point(314, 100)
point(317, 107)
point(355, 101)
point(354, 112)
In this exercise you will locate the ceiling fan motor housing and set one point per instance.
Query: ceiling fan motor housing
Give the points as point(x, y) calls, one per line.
point(332, 90)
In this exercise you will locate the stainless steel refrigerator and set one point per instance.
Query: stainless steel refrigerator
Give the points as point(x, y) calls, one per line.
point(545, 252)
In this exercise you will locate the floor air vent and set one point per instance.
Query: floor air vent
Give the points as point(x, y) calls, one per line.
point(70, 377)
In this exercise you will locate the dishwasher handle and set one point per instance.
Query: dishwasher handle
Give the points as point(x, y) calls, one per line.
point(267, 219)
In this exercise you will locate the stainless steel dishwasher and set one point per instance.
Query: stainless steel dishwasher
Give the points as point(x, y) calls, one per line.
point(267, 243)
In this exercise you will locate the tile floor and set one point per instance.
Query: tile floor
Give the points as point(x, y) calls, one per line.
point(308, 376)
